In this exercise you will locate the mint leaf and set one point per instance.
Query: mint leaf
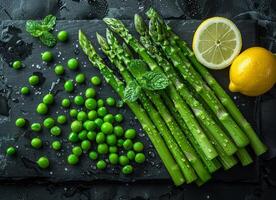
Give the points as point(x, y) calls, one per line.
point(34, 28)
point(49, 22)
point(154, 81)
point(132, 92)
point(138, 67)
point(48, 39)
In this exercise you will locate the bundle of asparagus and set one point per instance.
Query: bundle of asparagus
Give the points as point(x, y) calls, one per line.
point(171, 93)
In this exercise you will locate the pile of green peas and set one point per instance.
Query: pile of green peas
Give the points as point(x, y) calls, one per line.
point(95, 131)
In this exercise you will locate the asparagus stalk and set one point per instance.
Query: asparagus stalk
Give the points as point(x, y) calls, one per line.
point(118, 27)
point(173, 126)
point(256, 144)
point(244, 157)
point(139, 112)
point(180, 158)
point(212, 165)
point(193, 78)
point(223, 140)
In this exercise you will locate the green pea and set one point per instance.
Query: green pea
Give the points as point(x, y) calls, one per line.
point(20, 122)
point(76, 126)
point(101, 164)
point(131, 155)
point(110, 101)
point(99, 122)
point(73, 137)
point(82, 116)
point(61, 119)
point(127, 144)
point(47, 56)
point(72, 159)
point(79, 100)
point(34, 80)
point(56, 145)
point(69, 86)
point(138, 146)
point(85, 145)
point(140, 158)
point(59, 69)
point(48, 99)
point(123, 160)
point(73, 64)
point(93, 155)
point(73, 113)
point(36, 143)
point(111, 140)
point(49, 122)
point(118, 130)
point(91, 135)
point(95, 80)
point(62, 36)
point(10, 151)
point(120, 142)
point(25, 90)
point(100, 103)
point(128, 169)
point(83, 135)
point(36, 127)
point(100, 138)
point(90, 93)
point(42, 109)
point(107, 128)
point(113, 149)
point(77, 150)
point(90, 125)
point(55, 130)
point(102, 148)
point(109, 118)
point(17, 64)
point(102, 111)
point(80, 78)
point(113, 158)
point(92, 115)
point(65, 103)
point(43, 162)
point(130, 133)
point(119, 118)
point(90, 104)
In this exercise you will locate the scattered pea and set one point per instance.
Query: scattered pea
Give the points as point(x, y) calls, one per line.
point(113, 158)
point(130, 133)
point(118, 130)
point(65, 103)
point(56, 145)
point(73, 137)
point(91, 135)
point(48, 99)
point(79, 100)
point(92, 115)
point(127, 144)
point(119, 118)
point(47, 56)
point(128, 169)
point(36, 127)
point(95, 80)
point(101, 164)
point(42, 109)
point(72, 159)
point(99, 122)
point(111, 140)
point(82, 116)
point(102, 148)
point(93, 155)
point(73, 64)
point(90, 104)
point(73, 113)
point(109, 118)
point(102, 111)
point(85, 145)
point(49, 122)
point(82, 135)
point(17, 64)
point(62, 36)
point(69, 86)
point(100, 138)
point(43, 162)
point(80, 78)
point(20, 122)
point(113, 149)
point(76, 126)
point(140, 158)
point(138, 146)
point(59, 69)
point(123, 160)
point(34, 80)
point(107, 128)
point(36, 143)
point(90, 125)
point(131, 155)
point(90, 93)
point(25, 90)
point(10, 151)
point(55, 130)
point(100, 103)
point(77, 150)
point(110, 101)
point(120, 142)
point(61, 119)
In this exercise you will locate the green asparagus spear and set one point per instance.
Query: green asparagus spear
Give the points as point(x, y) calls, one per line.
point(256, 144)
point(193, 78)
point(223, 140)
point(139, 112)
point(153, 113)
point(118, 27)
point(175, 130)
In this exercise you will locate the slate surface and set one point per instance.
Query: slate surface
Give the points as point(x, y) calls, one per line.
point(262, 178)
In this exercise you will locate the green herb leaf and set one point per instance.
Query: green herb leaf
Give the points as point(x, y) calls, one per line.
point(154, 81)
point(132, 92)
point(49, 22)
point(34, 28)
point(48, 39)
point(138, 67)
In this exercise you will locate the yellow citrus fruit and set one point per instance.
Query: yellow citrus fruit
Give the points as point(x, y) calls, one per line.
point(253, 72)
point(216, 42)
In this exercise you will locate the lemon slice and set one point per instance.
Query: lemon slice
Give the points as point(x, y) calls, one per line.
point(217, 42)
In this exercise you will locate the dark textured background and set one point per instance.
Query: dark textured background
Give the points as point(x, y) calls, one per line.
point(257, 181)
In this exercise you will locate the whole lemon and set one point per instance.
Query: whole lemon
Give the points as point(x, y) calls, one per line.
point(253, 72)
